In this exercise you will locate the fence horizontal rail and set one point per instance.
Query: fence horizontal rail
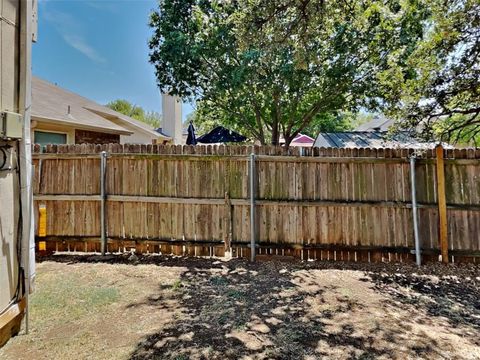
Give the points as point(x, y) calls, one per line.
point(465, 153)
point(260, 245)
point(221, 201)
point(263, 158)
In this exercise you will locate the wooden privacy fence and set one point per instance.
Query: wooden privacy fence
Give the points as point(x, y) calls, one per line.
point(312, 203)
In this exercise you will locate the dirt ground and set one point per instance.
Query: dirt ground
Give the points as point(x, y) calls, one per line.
point(175, 308)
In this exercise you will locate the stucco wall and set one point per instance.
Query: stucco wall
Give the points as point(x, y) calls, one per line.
point(172, 118)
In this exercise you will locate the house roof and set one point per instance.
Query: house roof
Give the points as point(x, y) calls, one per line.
point(368, 139)
point(221, 135)
point(54, 104)
point(302, 139)
point(379, 123)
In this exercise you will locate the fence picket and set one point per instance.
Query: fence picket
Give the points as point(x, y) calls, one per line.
point(365, 216)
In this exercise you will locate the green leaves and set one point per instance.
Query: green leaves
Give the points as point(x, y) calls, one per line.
point(152, 118)
point(438, 92)
point(272, 67)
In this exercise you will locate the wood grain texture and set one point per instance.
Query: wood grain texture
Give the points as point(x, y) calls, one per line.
point(442, 204)
point(328, 204)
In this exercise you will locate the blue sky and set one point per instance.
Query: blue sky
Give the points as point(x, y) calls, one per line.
point(98, 49)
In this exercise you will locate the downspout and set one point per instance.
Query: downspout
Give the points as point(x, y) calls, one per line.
point(418, 256)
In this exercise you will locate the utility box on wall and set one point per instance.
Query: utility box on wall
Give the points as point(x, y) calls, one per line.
point(11, 125)
point(17, 266)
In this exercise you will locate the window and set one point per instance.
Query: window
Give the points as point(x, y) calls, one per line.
point(43, 138)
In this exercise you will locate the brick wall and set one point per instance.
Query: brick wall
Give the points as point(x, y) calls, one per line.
point(93, 137)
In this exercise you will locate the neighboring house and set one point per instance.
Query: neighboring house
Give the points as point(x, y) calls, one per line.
point(183, 140)
point(221, 135)
point(172, 119)
point(299, 140)
point(372, 134)
point(378, 123)
point(63, 117)
point(367, 139)
point(302, 140)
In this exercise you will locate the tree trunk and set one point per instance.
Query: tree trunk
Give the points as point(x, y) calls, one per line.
point(275, 134)
point(288, 140)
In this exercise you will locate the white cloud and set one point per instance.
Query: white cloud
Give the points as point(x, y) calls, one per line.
point(72, 32)
point(79, 43)
point(102, 5)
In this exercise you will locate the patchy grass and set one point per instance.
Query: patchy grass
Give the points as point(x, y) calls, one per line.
point(175, 308)
point(81, 311)
point(70, 297)
point(177, 285)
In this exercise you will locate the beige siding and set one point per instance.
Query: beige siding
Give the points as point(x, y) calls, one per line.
point(9, 188)
point(69, 131)
point(138, 136)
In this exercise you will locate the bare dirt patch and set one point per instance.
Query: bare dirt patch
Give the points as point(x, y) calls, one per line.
point(177, 308)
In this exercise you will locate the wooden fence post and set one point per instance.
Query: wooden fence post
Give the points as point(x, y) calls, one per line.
point(228, 225)
point(442, 204)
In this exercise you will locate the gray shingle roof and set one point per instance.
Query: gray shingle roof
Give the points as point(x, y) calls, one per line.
point(51, 103)
point(379, 123)
point(368, 139)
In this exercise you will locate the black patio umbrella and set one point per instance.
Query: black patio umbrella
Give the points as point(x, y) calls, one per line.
point(221, 135)
point(191, 138)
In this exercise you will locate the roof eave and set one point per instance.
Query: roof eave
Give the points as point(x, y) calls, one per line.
point(80, 126)
point(131, 123)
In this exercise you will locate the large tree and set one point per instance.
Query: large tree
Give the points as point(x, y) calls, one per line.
point(125, 107)
point(276, 66)
point(440, 95)
point(207, 117)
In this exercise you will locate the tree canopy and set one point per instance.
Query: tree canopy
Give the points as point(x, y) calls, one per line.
point(440, 97)
point(125, 107)
point(206, 118)
point(285, 66)
point(275, 67)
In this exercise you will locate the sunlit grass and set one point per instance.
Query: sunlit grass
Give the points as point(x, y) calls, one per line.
point(70, 297)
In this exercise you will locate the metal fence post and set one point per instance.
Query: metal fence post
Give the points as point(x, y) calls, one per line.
point(252, 207)
point(103, 167)
point(418, 256)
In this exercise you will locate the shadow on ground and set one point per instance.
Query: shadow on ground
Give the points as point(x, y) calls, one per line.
point(453, 297)
point(235, 309)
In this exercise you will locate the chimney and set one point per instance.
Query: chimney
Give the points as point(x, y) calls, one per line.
point(172, 118)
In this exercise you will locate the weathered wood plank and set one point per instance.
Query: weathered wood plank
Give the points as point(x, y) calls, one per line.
point(357, 197)
point(442, 204)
